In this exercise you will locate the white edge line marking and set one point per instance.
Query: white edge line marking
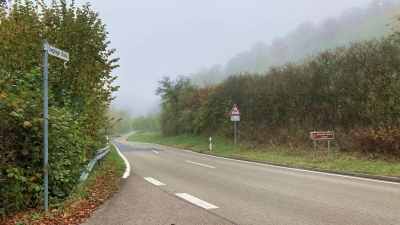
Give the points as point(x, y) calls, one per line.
point(196, 201)
point(288, 168)
point(153, 181)
point(128, 166)
point(200, 164)
point(155, 151)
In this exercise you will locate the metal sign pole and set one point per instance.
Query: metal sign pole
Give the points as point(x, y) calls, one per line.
point(235, 116)
point(235, 133)
point(48, 49)
point(45, 129)
point(315, 149)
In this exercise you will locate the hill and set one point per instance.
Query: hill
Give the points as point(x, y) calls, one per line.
point(354, 24)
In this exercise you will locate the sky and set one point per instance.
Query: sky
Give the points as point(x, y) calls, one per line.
point(154, 38)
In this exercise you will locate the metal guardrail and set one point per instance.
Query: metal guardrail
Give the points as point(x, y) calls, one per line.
point(100, 153)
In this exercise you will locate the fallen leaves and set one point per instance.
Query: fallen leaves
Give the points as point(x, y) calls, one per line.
point(75, 211)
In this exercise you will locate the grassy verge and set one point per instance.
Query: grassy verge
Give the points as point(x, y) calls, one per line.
point(340, 161)
point(100, 186)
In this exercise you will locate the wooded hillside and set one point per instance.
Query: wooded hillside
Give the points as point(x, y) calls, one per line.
point(354, 24)
point(353, 90)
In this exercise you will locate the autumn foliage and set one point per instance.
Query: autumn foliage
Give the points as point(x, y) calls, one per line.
point(79, 95)
point(380, 142)
point(353, 90)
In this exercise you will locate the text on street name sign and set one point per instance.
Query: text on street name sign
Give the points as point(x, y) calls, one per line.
point(321, 135)
point(57, 52)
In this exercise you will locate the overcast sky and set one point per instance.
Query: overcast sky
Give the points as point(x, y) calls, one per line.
point(170, 37)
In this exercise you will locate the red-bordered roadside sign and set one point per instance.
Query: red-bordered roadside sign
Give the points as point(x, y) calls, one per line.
point(235, 111)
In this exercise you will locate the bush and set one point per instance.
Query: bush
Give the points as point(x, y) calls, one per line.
point(79, 96)
point(380, 142)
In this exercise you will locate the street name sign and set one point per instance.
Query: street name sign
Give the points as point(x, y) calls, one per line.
point(56, 52)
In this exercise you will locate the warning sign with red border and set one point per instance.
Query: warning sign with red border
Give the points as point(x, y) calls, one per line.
point(235, 111)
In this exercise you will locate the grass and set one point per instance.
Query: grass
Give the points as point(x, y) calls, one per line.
point(100, 186)
point(339, 161)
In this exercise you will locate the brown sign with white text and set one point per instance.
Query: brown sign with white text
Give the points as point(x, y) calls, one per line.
point(321, 135)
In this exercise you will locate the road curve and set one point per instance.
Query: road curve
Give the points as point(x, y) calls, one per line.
point(240, 192)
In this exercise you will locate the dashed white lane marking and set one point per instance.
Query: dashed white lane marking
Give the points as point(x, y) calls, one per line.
point(288, 168)
point(128, 166)
point(200, 164)
point(153, 181)
point(196, 201)
point(155, 151)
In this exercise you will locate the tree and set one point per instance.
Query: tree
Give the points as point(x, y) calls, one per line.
point(173, 93)
point(78, 98)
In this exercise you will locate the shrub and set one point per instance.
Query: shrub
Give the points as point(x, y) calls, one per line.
point(380, 142)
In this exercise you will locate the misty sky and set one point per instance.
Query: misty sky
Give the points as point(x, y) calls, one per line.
point(159, 37)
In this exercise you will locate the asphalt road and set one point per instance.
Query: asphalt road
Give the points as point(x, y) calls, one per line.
point(229, 191)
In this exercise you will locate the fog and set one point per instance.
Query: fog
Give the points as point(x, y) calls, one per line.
point(177, 37)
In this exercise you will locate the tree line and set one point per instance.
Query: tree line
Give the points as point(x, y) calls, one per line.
point(79, 97)
point(352, 89)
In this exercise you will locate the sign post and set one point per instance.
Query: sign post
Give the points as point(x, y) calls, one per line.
point(328, 135)
point(235, 116)
point(48, 49)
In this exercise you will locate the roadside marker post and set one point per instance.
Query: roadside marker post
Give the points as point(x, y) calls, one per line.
point(328, 135)
point(235, 116)
point(48, 49)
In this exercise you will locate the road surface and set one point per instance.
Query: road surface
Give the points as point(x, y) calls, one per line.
point(238, 192)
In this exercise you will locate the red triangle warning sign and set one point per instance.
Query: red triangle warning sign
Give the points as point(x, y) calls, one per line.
point(235, 111)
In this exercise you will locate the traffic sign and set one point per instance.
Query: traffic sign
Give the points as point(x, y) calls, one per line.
point(235, 111)
point(235, 118)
